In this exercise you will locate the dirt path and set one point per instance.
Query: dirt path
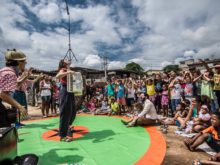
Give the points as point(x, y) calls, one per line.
point(177, 153)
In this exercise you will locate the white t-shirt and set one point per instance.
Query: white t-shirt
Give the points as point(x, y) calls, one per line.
point(45, 92)
point(131, 93)
point(149, 110)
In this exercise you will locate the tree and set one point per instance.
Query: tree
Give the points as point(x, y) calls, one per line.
point(134, 67)
point(169, 68)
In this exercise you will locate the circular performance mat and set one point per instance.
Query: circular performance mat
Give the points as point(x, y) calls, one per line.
point(98, 140)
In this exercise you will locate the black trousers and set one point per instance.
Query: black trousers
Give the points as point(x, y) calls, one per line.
point(67, 110)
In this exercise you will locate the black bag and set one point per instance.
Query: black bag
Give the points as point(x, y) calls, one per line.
point(7, 116)
point(28, 159)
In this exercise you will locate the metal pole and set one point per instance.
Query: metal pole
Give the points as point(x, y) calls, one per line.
point(105, 67)
point(69, 53)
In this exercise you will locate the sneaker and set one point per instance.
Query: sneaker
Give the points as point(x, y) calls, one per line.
point(130, 125)
point(66, 139)
point(124, 122)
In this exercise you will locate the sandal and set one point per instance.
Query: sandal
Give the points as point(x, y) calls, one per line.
point(197, 162)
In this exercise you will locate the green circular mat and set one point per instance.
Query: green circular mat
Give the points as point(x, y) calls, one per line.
point(108, 142)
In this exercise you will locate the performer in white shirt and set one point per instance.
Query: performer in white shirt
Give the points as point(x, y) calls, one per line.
point(147, 116)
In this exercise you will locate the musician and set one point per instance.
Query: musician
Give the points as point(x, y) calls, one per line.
point(67, 101)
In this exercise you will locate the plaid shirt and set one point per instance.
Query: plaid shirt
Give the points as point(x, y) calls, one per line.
point(8, 79)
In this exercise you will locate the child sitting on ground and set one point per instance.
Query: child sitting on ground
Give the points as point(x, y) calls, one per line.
point(104, 110)
point(92, 105)
point(211, 135)
point(138, 107)
point(83, 108)
point(199, 123)
point(114, 107)
point(181, 112)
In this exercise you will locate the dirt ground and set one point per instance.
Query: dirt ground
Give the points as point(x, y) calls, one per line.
point(176, 153)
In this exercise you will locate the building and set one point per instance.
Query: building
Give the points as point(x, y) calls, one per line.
point(93, 74)
point(200, 66)
point(154, 71)
point(184, 64)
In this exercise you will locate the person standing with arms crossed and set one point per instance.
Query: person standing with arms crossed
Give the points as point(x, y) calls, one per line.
point(67, 102)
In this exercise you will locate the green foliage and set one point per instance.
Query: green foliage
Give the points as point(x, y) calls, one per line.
point(169, 68)
point(134, 67)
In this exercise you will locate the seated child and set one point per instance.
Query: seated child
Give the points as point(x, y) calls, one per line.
point(83, 108)
point(201, 122)
point(138, 107)
point(211, 135)
point(136, 110)
point(104, 110)
point(114, 106)
point(181, 112)
point(92, 105)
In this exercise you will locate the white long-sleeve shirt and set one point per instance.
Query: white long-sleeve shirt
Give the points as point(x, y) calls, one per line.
point(149, 110)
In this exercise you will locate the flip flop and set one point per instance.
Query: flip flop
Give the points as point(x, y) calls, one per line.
point(197, 162)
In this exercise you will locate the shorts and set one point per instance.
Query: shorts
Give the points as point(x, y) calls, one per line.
point(213, 143)
point(121, 101)
point(46, 99)
point(129, 101)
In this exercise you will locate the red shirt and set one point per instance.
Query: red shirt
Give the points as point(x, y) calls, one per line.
point(63, 80)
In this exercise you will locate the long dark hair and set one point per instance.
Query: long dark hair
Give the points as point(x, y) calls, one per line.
point(62, 64)
point(11, 63)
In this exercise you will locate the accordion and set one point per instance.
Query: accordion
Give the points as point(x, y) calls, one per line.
point(75, 83)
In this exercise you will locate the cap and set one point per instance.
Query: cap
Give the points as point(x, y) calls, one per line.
point(15, 55)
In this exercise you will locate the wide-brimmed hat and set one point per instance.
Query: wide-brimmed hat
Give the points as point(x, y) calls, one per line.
point(15, 55)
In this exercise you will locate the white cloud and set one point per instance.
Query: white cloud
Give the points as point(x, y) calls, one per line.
point(49, 13)
point(165, 63)
point(177, 26)
point(212, 52)
point(116, 65)
point(173, 31)
point(93, 61)
point(189, 53)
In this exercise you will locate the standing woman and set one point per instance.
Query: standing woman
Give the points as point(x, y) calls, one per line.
point(67, 105)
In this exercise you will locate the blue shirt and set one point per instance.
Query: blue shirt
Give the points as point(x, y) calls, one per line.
point(121, 91)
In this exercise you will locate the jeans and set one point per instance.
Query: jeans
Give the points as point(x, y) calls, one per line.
point(174, 103)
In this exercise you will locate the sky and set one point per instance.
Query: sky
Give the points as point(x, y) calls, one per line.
point(152, 33)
